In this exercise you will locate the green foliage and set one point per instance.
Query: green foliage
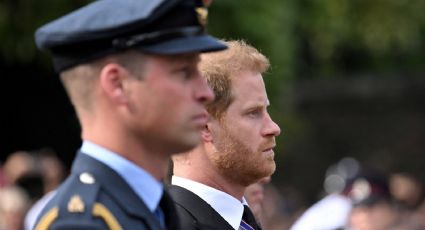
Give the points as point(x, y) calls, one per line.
point(381, 31)
point(267, 26)
point(18, 21)
point(303, 38)
point(308, 38)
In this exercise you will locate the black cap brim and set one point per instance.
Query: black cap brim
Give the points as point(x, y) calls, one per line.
point(202, 43)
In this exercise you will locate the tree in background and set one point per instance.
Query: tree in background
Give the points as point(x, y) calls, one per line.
point(315, 38)
point(18, 22)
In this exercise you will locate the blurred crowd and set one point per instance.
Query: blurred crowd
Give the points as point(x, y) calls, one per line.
point(354, 198)
point(26, 179)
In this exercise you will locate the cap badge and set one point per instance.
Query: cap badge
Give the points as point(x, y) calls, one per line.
point(202, 13)
point(76, 204)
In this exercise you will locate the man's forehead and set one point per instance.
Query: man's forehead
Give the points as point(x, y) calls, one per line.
point(248, 83)
point(260, 101)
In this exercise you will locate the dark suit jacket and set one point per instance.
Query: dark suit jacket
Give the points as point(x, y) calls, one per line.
point(108, 203)
point(194, 212)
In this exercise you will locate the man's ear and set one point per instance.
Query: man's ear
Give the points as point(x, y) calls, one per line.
point(206, 133)
point(111, 79)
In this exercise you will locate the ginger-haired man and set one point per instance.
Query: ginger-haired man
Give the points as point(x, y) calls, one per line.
point(237, 143)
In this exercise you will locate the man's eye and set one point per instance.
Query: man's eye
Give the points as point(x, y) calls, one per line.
point(254, 113)
point(185, 73)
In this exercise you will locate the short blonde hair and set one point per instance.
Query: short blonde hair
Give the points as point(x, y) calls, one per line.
point(79, 82)
point(220, 67)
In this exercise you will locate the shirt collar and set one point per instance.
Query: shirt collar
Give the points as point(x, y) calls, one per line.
point(145, 185)
point(230, 208)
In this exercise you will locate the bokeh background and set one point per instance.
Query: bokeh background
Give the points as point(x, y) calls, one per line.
point(347, 80)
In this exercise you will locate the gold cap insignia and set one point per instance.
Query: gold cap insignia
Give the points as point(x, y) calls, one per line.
point(75, 204)
point(202, 13)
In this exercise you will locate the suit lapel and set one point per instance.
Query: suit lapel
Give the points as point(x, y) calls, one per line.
point(116, 187)
point(204, 214)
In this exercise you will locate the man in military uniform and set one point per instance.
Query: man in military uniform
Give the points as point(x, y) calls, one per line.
point(237, 144)
point(130, 68)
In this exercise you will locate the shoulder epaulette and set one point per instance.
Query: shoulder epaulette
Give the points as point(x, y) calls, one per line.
point(77, 207)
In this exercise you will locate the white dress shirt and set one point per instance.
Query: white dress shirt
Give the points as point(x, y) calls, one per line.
point(145, 185)
point(230, 208)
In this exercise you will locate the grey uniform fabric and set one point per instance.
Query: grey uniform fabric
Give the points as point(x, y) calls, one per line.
point(109, 190)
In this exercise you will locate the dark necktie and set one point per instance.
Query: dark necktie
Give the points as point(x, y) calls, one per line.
point(168, 214)
point(248, 220)
point(159, 214)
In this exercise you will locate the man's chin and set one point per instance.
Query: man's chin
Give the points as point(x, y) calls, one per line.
point(189, 143)
point(255, 177)
point(269, 171)
point(273, 169)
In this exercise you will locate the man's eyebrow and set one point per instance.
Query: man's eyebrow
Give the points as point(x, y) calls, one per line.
point(258, 105)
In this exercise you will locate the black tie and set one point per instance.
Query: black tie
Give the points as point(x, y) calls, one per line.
point(159, 214)
point(249, 218)
point(169, 212)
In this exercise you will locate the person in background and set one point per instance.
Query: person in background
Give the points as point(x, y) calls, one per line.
point(38, 173)
point(14, 203)
point(17, 165)
point(209, 182)
point(254, 195)
point(407, 190)
point(332, 211)
point(2, 176)
point(130, 68)
point(372, 203)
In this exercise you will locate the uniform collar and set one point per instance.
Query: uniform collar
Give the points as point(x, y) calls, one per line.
point(143, 184)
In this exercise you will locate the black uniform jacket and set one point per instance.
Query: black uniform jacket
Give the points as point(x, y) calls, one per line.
point(95, 197)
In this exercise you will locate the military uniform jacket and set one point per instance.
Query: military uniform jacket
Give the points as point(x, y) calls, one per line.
point(195, 213)
point(96, 197)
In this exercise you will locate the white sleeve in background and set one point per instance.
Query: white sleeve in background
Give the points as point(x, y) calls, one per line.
point(35, 210)
point(329, 213)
